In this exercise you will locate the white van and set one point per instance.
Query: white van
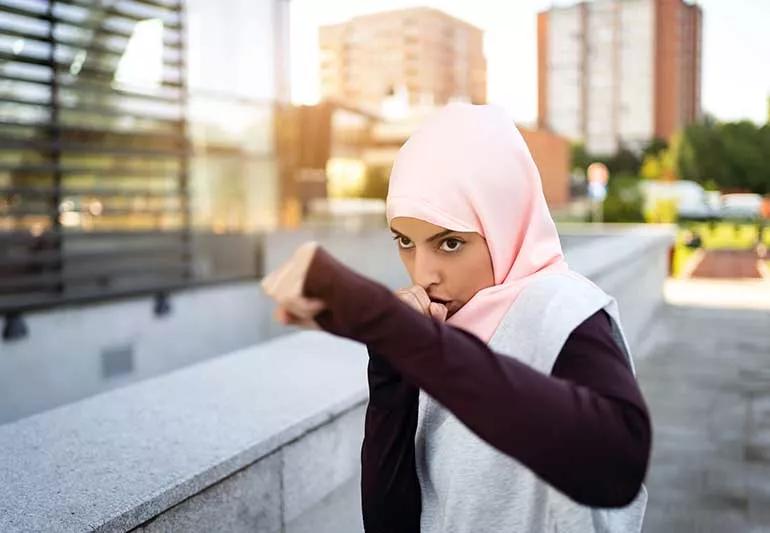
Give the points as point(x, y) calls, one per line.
point(741, 205)
point(692, 200)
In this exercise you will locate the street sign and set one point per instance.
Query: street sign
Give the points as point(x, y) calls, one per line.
point(598, 176)
point(598, 173)
point(597, 191)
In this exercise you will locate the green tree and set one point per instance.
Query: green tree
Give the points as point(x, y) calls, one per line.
point(702, 154)
point(747, 165)
point(654, 147)
point(579, 157)
point(732, 155)
point(624, 199)
point(624, 161)
point(661, 160)
point(761, 183)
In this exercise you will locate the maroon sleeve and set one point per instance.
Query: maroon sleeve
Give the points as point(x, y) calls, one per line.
point(588, 435)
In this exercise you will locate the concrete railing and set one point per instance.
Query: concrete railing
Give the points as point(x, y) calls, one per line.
point(111, 344)
point(249, 441)
point(246, 441)
point(630, 263)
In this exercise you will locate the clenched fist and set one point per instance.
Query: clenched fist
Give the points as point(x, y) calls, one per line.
point(284, 285)
point(418, 299)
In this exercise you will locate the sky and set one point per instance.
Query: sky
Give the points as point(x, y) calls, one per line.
point(736, 50)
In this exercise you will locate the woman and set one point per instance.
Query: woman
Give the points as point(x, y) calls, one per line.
point(502, 391)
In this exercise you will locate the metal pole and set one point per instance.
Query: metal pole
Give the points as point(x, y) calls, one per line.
point(184, 162)
point(54, 134)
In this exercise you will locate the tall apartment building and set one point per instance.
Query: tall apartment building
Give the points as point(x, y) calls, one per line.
point(426, 55)
point(619, 72)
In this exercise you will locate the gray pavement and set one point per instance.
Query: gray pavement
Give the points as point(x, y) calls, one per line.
point(707, 384)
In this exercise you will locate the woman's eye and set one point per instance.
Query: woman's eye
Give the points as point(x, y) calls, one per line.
point(453, 245)
point(403, 242)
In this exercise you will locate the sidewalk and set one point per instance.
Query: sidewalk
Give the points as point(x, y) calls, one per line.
point(728, 264)
point(719, 293)
point(707, 383)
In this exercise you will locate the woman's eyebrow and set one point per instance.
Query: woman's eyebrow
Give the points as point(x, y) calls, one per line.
point(432, 238)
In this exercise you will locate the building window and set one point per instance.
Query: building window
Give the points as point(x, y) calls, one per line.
point(98, 154)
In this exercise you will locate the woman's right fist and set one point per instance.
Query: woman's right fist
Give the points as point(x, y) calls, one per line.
point(416, 297)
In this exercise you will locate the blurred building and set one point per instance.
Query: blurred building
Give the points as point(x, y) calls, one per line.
point(331, 151)
point(423, 53)
point(138, 176)
point(320, 151)
point(129, 148)
point(551, 153)
point(619, 72)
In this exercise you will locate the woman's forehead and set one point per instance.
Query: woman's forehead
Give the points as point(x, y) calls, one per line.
point(406, 224)
point(416, 227)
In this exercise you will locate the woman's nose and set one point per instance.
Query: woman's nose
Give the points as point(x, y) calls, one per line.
point(426, 270)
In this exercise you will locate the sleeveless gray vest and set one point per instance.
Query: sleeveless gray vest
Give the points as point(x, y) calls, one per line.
point(467, 485)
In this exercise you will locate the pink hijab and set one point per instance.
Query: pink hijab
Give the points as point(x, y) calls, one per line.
point(467, 168)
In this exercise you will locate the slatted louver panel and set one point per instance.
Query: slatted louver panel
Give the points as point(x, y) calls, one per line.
point(94, 196)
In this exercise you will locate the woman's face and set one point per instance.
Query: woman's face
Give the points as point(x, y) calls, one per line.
point(451, 266)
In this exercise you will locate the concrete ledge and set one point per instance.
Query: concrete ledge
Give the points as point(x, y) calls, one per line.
point(112, 344)
point(271, 494)
point(604, 251)
point(245, 501)
point(632, 265)
point(117, 460)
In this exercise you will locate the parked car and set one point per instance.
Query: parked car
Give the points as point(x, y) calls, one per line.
point(741, 206)
point(692, 201)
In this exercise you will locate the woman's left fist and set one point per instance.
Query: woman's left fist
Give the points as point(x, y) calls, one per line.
point(284, 285)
